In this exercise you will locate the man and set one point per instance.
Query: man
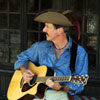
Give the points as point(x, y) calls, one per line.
point(55, 52)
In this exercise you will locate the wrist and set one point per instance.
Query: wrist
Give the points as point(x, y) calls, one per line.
point(65, 88)
point(23, 69)
point(62, 88)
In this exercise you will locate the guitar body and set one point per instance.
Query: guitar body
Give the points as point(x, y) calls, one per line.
point(15, 92)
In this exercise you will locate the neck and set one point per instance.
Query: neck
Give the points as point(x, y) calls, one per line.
point(61, 42)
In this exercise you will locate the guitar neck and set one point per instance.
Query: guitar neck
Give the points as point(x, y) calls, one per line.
point(55, 79)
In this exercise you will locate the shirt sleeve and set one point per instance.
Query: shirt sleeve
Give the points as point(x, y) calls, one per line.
point(29, 54)
point(81, 69)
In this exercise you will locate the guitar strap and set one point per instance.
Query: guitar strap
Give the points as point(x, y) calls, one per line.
point(73, 56)
point(72, 62)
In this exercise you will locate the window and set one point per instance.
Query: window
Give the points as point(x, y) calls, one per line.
point(18, 30)
point(88, 16)
point(10, 37)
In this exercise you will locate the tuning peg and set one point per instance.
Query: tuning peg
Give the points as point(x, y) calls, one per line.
point(80, 79)
point(74, 84)
point(82, 82)
point(78, 84)
point(86, 75)
point(73, 81)
point(82, 76)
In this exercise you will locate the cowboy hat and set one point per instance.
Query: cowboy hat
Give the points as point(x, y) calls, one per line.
point(54, 18)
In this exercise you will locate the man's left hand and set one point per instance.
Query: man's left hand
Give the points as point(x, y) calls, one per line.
point(53, 85)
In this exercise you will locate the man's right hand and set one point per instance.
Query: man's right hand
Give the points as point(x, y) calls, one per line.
point(27, 74)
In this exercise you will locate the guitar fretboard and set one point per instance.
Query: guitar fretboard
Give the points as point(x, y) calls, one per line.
point(55, 79)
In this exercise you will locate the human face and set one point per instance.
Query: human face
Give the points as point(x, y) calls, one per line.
point(51, 31)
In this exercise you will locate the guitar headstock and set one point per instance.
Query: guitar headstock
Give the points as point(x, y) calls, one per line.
point(80, 79)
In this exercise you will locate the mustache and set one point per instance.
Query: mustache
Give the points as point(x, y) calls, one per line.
point(45, 32)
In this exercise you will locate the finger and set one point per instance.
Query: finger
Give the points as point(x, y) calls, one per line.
point(27, 75)
point(54, 73)
point(27, 79)
point(30, 72)
point(49, 83)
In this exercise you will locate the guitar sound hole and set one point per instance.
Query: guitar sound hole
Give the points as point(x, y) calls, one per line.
point(33, 80)
point(32, 83)
point(26, 87)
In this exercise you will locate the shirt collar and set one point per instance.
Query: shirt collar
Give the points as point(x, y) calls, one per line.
point(70, 42)
point(51, 45)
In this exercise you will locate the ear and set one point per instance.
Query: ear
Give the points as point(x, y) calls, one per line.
point(60, 30)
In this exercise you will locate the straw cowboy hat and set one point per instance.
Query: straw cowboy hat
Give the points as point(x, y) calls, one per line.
point(54, 18)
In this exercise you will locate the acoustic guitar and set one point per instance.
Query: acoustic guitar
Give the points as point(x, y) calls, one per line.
point(18, 88)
